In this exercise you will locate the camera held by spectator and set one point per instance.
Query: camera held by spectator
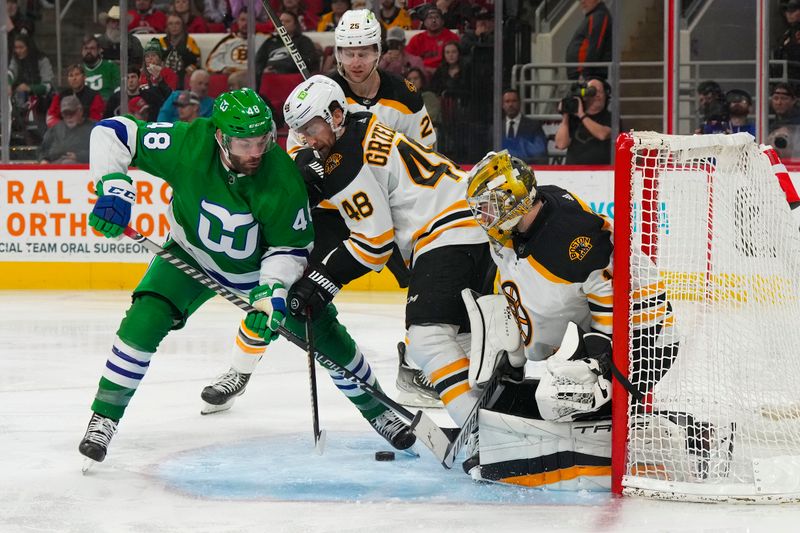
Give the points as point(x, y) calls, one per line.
point(569, 104)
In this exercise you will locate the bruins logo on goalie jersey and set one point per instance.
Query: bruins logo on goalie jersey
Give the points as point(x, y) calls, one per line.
point(579, 247)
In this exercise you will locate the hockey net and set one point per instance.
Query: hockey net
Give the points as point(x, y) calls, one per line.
point(718, 418)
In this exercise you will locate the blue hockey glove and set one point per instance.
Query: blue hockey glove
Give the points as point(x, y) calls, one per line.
point(112, 211)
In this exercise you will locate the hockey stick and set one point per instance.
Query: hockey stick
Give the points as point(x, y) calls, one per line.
point(287, 40)
point(319, 436)
point(422, 426)
point(471, 423)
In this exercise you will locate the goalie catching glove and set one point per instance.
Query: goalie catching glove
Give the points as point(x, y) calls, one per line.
point(578, 377)
point(112, 211)
point(313, 292)
point(494, 333)
point(270, 301)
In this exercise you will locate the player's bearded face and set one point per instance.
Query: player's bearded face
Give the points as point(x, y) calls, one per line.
point(358, 62)
point(246, 153)
point(319, 135)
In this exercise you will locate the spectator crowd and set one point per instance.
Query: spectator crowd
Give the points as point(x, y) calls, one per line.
point(448, 60)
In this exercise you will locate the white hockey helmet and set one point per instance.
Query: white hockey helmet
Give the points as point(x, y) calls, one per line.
point(357, 27)
point(314, 98)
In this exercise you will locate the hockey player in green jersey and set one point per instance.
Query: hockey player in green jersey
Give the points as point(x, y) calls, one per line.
point(239, 213)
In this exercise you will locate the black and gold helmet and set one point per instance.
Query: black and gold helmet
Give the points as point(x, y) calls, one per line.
point(500, 191)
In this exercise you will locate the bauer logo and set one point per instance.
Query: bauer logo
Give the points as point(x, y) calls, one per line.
point(579, 247)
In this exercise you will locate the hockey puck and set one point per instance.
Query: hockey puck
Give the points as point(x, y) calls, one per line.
point(384, 456)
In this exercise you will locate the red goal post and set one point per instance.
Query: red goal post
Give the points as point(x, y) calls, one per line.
point(706, 322)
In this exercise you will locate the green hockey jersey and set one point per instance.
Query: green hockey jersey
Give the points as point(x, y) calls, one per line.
point(242, 230)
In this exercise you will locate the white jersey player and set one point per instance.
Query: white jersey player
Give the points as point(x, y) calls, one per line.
point(554, 259)
point(390, 189)
point(397, 103)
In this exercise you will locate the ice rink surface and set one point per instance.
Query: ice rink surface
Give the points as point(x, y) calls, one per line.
point(253, 468)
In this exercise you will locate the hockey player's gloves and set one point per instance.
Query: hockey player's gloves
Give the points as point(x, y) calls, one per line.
point(270, 300)
point(309, 162)
point(112, 211)
point(315, 290)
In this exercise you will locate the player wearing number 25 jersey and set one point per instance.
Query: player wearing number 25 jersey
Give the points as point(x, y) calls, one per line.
point(390, 189)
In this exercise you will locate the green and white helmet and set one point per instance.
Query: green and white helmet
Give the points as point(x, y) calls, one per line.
point(243, 113)
point(314, 98)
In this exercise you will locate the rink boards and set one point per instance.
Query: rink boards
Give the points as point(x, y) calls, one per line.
point(45, 241)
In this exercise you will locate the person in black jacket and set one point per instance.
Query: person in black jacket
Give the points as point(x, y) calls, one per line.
point(273, 57)
point(591, 42)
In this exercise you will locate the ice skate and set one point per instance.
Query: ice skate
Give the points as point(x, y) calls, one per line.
point(96, 440)
point(220, 395)
point(413, 388)
point(394, 430)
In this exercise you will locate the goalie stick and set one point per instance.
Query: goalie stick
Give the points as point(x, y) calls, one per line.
point(471, 423)
point(422, 425)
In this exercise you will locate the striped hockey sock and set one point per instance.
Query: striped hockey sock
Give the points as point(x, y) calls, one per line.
point(450, 378)
point(123, 372)
point(247, 350)
point(369, 407)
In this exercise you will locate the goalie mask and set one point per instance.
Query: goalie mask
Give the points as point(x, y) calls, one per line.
point(500, 191)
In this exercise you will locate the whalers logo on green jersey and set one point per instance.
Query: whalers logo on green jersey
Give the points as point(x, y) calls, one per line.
point(235, 235)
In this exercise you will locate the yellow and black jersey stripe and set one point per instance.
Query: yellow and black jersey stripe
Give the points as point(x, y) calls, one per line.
point(457, 215)
point(371, 251)
point(601, 307)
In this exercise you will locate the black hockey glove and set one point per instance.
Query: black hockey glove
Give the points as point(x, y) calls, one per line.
point(309, 162)
point(314, 290)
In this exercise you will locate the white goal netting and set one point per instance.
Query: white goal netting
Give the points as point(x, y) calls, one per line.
point(721, 414)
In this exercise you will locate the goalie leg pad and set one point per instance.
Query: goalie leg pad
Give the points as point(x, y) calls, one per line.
point(575, 383)
point(494, 331)
point(539, 453)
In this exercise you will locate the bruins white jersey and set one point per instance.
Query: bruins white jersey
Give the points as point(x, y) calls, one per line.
point(390, 189)
point(397, 104)
point(561, 270)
